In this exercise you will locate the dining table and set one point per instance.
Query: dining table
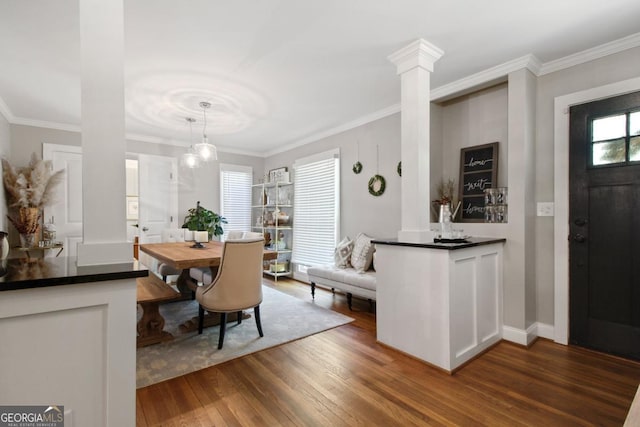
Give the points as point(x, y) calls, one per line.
point(186, 255)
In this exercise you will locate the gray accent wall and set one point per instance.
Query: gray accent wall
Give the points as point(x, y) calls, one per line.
point(610, 69)
point(360, 211)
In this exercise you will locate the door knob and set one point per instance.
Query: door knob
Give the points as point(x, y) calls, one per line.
point(145, 229)
point(579, 238)
point(580, 222)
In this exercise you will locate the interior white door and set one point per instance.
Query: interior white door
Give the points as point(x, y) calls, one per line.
point(66, 213)
point(158, 196)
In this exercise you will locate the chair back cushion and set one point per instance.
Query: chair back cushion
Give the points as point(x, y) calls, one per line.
point(238, 284)
point(235, 234)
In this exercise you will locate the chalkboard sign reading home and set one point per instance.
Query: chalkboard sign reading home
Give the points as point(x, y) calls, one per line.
point(478, 171)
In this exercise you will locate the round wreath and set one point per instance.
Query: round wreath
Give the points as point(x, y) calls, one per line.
point(377, 185)
point(357, 167)
point(399, 168)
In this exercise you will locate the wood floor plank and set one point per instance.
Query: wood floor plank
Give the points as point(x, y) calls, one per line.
point(344, 377)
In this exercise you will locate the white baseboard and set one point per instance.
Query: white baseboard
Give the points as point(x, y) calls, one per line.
point(522, 337)
point(518, 336)
point(545, 330)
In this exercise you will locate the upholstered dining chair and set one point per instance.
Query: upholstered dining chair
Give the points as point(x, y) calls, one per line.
point(237, 286)
point(170, 235)
point(205, 275)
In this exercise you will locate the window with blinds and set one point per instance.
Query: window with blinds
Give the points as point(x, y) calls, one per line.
point(316, 209)
point(235, 197)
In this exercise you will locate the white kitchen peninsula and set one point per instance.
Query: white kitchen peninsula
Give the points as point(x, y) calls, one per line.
point(440, 302)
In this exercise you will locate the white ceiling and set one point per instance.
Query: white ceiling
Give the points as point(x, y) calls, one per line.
point(278, 71)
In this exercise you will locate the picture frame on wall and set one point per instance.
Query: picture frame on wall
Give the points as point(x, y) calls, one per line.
point(279, 175)
point(478, 172)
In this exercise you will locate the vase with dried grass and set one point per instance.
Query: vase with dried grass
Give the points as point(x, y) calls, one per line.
point(28, 190)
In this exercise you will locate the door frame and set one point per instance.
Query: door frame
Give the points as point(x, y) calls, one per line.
point(561, 194)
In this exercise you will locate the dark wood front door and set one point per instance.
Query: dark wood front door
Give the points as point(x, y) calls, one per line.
point(604, 216)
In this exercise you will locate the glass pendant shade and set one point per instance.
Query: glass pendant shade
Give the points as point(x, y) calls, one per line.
point(190, 159)
point(207, 152)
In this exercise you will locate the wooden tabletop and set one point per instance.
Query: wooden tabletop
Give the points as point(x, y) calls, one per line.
point(182, 256)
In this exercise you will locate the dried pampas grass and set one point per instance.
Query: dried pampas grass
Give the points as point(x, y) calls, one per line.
point(31, 186)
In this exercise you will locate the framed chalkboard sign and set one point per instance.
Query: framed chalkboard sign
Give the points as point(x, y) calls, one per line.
point(478, 171)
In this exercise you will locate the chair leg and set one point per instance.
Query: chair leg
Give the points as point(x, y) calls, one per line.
point(313, 290)
point(200, 318)
point(164, 278)
point(223, 327)
point(333, 291)
point(256, 313)
point(239, 314)
point(349, 298)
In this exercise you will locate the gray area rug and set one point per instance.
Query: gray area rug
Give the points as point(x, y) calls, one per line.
point(284, 319)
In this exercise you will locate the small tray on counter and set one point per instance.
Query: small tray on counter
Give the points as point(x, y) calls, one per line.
point(460, 240)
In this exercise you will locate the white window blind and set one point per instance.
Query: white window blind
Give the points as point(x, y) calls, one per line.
point(235, 197)
point(316, 208)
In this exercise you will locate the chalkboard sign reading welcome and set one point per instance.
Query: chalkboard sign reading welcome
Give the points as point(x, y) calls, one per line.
point(478, 171)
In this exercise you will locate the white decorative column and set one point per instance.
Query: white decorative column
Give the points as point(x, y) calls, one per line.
point(103, 134)
point(415, 64)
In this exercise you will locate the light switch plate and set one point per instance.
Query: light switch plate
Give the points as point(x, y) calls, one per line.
point(545, 208)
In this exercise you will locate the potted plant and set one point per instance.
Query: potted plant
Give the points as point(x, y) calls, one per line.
point(202, 219)
point(29, 189)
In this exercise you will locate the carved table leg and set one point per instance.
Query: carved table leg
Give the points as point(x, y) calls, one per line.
point(183, 282)
point(150, 326)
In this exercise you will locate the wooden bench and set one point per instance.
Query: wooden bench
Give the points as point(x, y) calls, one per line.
point(151, 290)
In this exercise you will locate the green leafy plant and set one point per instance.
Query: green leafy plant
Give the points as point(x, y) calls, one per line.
point(202, 219)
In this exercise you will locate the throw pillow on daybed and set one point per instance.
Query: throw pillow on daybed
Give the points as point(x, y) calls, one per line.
point(362, 254)
point(342, 254)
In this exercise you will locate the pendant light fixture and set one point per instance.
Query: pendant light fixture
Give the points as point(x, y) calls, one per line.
point(190, 159)
point(205, 150)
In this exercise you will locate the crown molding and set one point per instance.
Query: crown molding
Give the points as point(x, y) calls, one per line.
point(483, 78)
point(154, 139)
point(5, 111)
point(393, 109)
point(45, 124)
point(591, 54)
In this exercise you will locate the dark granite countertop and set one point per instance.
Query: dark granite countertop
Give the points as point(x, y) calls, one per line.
point(470, 242)
point(29, 273)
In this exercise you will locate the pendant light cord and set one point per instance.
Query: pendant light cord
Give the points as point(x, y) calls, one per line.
point(204, 129)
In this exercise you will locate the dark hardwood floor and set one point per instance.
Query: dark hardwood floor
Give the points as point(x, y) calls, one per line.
point(342, 377)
